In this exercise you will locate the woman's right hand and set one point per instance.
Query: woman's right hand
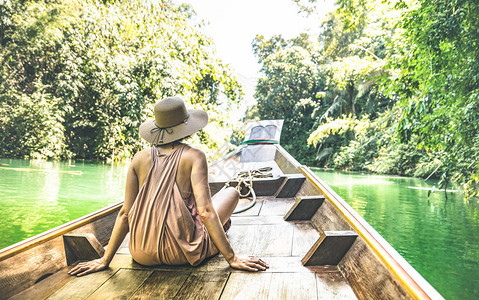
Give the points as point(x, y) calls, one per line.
point(84, 268)
point(250, 263)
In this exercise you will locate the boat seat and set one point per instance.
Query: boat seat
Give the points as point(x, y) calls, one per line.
point(81, 247)
point(304, 208)
point(330, 248)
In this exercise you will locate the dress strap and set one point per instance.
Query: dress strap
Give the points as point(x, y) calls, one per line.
point(154, 154)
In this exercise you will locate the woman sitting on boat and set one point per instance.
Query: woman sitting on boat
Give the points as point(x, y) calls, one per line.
point(172, 218)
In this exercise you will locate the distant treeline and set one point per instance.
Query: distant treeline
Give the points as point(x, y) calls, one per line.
point(77, 77)
point(388, 86)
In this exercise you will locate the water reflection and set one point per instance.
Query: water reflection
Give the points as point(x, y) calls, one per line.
point(39, 195)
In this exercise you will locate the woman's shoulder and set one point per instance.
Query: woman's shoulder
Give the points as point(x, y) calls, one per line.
point(191, 152)
point(142, 154)
point(193, 156)
point(141, 158)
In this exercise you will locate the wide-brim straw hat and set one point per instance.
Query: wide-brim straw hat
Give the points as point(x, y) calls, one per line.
point(172, 122)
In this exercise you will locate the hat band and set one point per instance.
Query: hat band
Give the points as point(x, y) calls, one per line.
point(160, 131)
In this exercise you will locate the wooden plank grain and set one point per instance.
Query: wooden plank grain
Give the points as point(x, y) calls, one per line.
point(308, 189)
point(45, 287)
point(270, 286)
point(332, 285)
point(293, 286)
point(161, 285)
point(277, 264)
point(276, 207)
point(327, 218)
point(244, 285)
point(121, 285)
point(81, 287)
point(284, 163)
point(368, 277)
point(274, 240)
point(256, 220)
point(203, 286)
point(242, 238)
point(17, 273)
point(304, 237)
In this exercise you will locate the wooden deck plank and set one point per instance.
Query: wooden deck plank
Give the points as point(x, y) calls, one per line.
point(274, 240)
point(276, 207)
point(161, 285)
point(203, 285)
point(279, 264)
point(242, 238)
point(81, 287)
point(255, 220)
point(121, 285)
point(333, 286)
point(244, 285)
point(293, 286)
point(304, 236)
point(270, 286)
point(264, 240)
point(125, 261)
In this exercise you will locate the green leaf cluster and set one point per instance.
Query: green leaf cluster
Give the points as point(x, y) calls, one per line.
point(78, 77)
point(337, 75)
point(406, 70)
point(289, 89)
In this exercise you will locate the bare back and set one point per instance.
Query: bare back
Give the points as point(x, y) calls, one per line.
point(142, 166)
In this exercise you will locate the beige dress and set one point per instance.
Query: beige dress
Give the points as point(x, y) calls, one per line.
point(164, 227)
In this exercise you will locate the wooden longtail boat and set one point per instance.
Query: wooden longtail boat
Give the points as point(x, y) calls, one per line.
point(317, 246)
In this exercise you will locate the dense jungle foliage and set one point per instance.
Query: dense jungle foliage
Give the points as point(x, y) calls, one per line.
point(77, 77)
point(388, 86)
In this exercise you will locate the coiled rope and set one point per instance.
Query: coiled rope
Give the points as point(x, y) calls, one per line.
point(245, 178)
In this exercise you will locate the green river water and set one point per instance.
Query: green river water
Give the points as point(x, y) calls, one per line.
point(439, 238)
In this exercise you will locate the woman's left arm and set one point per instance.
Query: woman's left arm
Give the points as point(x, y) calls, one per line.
point(120, 229)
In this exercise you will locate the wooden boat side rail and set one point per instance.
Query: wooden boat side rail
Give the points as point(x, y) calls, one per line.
point(32, 261)
point(57, 231)
point(412, 281)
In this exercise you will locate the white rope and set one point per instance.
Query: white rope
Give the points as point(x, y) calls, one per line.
point(245, 178)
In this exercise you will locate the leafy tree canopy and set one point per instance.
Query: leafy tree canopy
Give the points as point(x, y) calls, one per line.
point(77, 77)
point(404, 71)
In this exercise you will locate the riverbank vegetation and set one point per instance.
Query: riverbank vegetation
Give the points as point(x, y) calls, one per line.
point(388, 87)
point(77, 77)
